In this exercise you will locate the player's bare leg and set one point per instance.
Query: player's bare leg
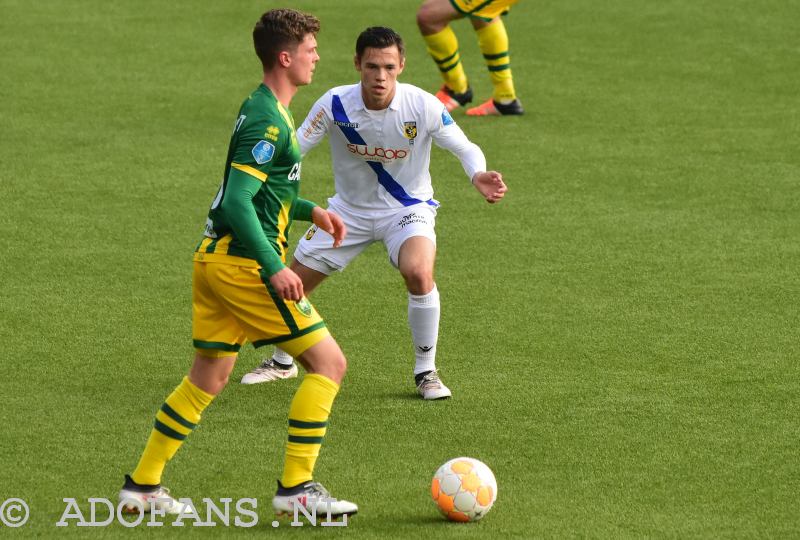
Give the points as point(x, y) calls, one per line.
point(416, 261)
point(211, 374)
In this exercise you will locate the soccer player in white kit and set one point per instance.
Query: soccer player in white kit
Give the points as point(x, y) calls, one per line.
point(380, 133)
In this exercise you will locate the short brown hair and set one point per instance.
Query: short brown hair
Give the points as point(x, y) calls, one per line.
point(279, 30)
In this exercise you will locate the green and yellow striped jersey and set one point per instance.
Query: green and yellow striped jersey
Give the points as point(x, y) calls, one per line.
point(263, 147)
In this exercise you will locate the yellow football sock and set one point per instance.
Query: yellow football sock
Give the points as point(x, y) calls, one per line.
point(493, 41)
point(443, 47)
point(177, 417)
point(308, 421)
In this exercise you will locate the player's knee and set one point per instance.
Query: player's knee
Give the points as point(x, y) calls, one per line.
point(218, 384)
point(222, 383)
point(419, 280)
point(211, 370)
point(333, 366)
point(325, 358)
point(427, 21)
point(422, 18)
point(212, 385)
point(339, 367)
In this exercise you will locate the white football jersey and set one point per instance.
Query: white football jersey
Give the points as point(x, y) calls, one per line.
point(381, 158)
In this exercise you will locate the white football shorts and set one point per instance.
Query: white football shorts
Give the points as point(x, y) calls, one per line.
point(392, 227)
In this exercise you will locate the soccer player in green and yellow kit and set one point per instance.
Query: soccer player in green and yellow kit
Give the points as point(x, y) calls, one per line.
point(241, 288)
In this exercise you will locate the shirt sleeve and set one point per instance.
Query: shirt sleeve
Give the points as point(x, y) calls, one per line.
point(253, 157)
point(303, 209)
point(316, 124)
point(448, 135)
point(258, 143)
point(238, 207)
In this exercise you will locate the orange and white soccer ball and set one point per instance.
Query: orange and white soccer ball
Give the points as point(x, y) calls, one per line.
point(464, 489)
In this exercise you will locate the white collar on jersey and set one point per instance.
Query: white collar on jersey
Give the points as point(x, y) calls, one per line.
point(394, 105)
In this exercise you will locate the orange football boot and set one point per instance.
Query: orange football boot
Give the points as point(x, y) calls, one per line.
point(491, 107)
point(452, 100)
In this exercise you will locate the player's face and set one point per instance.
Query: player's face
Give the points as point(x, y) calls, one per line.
point(379, 69)
point(304, 60)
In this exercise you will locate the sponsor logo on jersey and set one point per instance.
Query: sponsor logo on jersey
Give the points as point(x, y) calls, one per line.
point(263, 152)
point(339, 123)
point(410, 130)
point(314, 124)
point(272, 133)
point(310, 232)
point(304, 307)
point(294, 174)
point(377, 153)
point(446, 118)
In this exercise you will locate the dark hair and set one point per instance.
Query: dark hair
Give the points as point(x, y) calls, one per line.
point(379, 37)
point(279, 30)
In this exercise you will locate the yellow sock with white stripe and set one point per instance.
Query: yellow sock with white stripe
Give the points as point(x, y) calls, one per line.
point(177, 417)
point(443, 48)
point(308, 421)
point(493, 41)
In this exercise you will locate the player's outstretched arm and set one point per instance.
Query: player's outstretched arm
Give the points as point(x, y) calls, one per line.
point(490, 184)
point(330, 223)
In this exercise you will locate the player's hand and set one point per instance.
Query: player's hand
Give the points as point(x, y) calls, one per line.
point(330, 223)
point(491, 185)
point(287, 284)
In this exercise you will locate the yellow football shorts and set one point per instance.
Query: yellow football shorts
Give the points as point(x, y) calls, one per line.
point(482, 9)
point(232, 304)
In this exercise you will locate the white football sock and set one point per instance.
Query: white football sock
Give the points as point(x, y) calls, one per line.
point(282, 357)
point(423, 318)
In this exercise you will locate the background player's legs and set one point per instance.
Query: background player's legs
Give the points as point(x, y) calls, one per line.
point(493, 42)
point(415, 262)
point(433, 18)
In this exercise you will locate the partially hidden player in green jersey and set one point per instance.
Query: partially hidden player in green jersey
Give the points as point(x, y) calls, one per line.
point(242, 289)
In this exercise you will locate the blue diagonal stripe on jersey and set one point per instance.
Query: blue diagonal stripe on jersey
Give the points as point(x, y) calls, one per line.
point(384, 178)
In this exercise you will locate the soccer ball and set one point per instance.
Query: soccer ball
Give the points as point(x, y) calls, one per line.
point(464, 489)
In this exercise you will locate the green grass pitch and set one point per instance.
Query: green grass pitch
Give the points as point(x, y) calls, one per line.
point(621, 333)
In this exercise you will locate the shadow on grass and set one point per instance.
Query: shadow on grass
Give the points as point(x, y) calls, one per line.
point(427, 520)
point(401, 396)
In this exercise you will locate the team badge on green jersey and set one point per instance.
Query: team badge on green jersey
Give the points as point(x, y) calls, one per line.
point(263, 152)
point(304, 307)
